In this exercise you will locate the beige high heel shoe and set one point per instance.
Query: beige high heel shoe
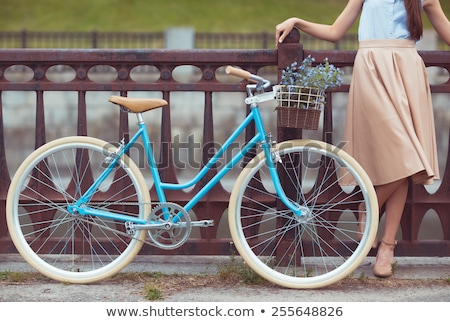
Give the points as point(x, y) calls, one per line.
point(383, 263)
point(362, 223)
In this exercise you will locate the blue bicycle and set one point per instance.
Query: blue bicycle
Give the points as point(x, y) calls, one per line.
point(79, 208)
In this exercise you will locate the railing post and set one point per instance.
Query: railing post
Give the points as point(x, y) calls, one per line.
point(24, 38)
point(40, 138)
point(266, 37)
point(94, 39)
point(289, 51)
point(4, 184)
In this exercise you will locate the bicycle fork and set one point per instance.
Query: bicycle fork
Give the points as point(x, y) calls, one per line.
point(272, 158)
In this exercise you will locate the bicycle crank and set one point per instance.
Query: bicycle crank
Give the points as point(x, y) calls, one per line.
point(168, 225)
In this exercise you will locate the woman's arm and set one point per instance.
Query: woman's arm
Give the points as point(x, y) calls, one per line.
point(331, 33)
point(438, 19)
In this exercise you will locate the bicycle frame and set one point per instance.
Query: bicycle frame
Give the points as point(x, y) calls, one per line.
point(260, 137)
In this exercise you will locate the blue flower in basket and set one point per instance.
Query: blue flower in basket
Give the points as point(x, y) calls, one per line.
point(301, 92)
point(303, 86)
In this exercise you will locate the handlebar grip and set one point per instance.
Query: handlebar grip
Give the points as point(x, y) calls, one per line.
point(238, 72)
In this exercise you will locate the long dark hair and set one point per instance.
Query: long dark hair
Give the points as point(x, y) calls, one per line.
point(415, 24)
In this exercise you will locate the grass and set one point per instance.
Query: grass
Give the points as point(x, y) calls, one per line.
point(153, 293)
point(156, 15)
point(20, 277)
point(14, 277)
point(238, 271)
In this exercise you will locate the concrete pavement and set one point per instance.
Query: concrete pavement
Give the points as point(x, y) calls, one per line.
point(416, 279)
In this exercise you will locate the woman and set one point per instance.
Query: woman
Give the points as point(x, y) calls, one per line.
point(389, 125)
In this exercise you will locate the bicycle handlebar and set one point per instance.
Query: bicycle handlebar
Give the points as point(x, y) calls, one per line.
point(230, 70)
point(262, 83)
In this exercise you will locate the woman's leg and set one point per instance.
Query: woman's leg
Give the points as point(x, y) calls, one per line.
point(393, 196)
point(394, 209)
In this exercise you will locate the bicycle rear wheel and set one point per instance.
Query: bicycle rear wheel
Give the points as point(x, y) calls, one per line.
point(64, 246)
point(322, 246)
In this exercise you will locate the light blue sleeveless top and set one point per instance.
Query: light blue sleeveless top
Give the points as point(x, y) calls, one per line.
point(383, 19)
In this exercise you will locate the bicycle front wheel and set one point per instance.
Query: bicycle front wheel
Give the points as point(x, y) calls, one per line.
point(68, 247)
point(325, 243)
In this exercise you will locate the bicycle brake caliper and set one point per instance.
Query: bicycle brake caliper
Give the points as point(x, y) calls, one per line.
point(113, 154)
point(275, 154)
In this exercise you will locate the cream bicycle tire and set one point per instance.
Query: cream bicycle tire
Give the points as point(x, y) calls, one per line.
point(48, 235)
point(319, 249)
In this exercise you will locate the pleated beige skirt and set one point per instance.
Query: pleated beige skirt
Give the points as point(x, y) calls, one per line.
point(389, 126)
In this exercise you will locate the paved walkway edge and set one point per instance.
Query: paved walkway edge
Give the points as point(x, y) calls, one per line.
point(406, 267)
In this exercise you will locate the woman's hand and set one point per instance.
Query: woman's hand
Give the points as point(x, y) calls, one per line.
point(283, 29)
point(326, 32)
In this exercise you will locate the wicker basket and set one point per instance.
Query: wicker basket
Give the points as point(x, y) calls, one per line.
point(299, 107)
point(307, 119)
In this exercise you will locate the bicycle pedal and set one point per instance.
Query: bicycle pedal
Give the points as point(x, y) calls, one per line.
point(130, 229)
point(202, 223)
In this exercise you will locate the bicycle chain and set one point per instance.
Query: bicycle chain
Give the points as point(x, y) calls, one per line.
point(118, 232)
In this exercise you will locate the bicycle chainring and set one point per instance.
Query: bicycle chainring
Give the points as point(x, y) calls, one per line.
point(177, 226)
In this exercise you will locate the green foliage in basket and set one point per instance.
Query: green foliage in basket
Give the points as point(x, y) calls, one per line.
point(323, 76)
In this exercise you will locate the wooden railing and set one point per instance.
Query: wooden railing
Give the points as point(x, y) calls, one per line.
point(208, 68)
point(154, 40)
